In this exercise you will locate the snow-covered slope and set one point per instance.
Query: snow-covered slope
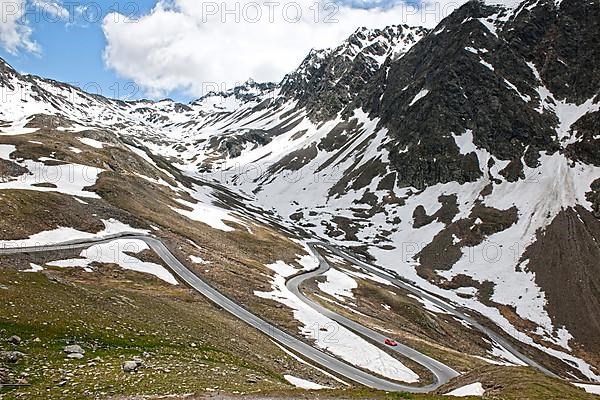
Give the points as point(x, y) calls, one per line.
point(25, 96)
point(447, 166)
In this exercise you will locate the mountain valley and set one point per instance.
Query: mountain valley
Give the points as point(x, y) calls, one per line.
point(446, 181)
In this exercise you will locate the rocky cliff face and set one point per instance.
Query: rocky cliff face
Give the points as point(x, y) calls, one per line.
point(499, 73)
point(328, 80)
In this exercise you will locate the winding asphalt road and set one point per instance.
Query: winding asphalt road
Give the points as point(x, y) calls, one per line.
point(443, 305)
point(441, 372)
point(305, 350)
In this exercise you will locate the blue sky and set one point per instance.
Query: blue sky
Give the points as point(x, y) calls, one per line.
point(71, 51)
point(172, 50)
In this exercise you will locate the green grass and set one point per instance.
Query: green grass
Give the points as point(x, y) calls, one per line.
point(114, 323)
point(134, 315)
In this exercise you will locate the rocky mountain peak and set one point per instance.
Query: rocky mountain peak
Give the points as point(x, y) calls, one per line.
point(248, 91)
point(506, 74)
point(7, 72)
point(327, 80)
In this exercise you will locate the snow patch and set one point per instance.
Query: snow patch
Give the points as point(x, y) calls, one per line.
point(593, 389)
point(419, 96)
point(338, 285)
point(303, 383)
point(486, 64)
point(65, 235)
point(207, 214)
point(474, 389)
point(117, 252)
point(198, 260)
point(70, 179)
point(92, 143)
point(465, 142)
point(34, 268)
point(17, 130)
point(428, 305)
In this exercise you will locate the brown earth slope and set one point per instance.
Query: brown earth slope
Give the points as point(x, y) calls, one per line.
point(566, 260)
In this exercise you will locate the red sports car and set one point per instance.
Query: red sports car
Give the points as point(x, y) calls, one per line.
point(390, 342)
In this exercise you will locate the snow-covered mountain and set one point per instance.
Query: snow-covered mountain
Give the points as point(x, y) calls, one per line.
point(466, 158)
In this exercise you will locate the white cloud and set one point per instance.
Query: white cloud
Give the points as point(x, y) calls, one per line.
point(49, 10)
point(14, 33)
point(15, 30)
point(191, 46)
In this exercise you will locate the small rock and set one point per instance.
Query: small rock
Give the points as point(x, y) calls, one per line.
point(15, 340)
point(37, 340)
point(11, 356)
point(130, 366)
point(74, 349)
point(75, 356)
point(4, 375)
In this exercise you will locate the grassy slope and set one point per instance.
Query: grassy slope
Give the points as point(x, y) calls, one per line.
point(500, 384)
point(123, 317)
